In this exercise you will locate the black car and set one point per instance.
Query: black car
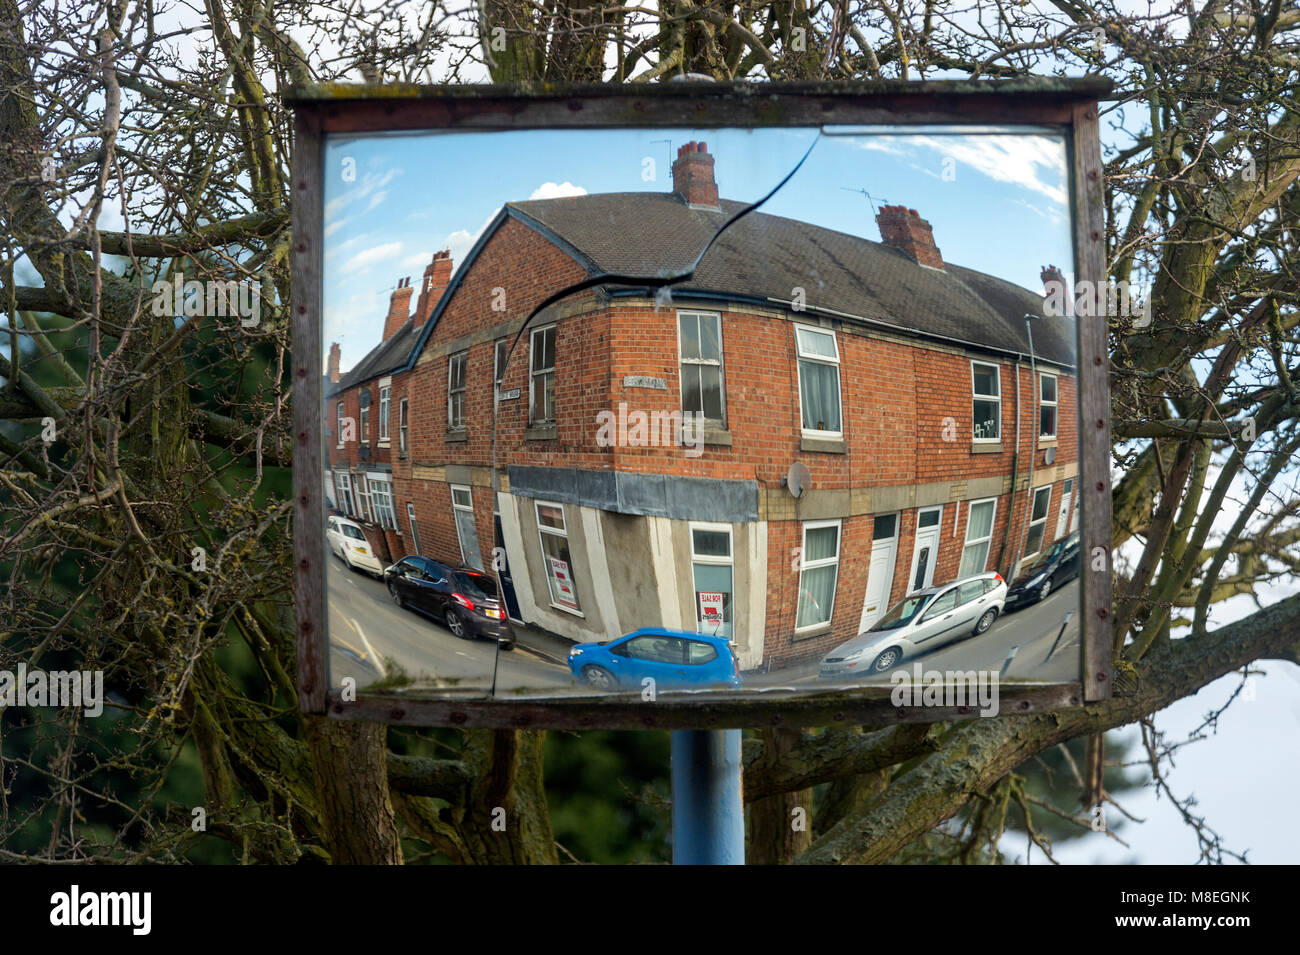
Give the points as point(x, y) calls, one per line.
point(1050, 569)
point(466, 600)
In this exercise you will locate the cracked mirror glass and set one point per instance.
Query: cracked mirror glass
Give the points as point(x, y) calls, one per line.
point(683, 412)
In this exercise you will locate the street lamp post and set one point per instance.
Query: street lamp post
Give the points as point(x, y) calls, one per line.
point(1033, 441)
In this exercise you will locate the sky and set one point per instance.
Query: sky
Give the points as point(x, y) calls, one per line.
point(997, 202)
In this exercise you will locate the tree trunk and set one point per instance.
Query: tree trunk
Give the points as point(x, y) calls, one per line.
point(350, 764)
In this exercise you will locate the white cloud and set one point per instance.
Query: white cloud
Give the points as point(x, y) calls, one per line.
point(370, 184)
point(368, 257)
point(879, 144)
point(557, 190)
point(460, 242)
point(1035, 162)
point(356, 323)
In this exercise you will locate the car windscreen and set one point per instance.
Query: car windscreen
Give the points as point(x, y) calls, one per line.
point(353, 532)
point(901, 613)
point(476, 585)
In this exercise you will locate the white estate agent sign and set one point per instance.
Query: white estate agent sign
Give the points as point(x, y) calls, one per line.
point(711, 609)
point(563, 583)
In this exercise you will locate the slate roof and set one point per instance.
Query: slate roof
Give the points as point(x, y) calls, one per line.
point(384, 357)
point(765, 256)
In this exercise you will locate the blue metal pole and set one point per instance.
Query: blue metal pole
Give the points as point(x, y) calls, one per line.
point(708, 816)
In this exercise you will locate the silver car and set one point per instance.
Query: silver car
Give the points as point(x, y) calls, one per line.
point(920, 622)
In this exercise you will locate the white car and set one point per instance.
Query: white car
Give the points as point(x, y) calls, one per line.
point(348, 541)
point(920, 622)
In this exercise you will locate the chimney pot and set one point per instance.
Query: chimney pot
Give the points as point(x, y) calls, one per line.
point(437, 276)
point(693, 177)
point(335, 354)
point(1051, 274)
point(399, 308)
point(903, 228)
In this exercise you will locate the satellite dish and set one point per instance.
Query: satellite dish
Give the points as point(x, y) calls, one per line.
point(1049, 455)
point(797, 479)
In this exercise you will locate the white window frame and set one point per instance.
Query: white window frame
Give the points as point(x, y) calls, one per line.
point(468, 509)
point(343, 488)
point(363, 415)
point(1053, 404)
point(805, 564)
point(996, 399)
point(363, 497)
point(799, 358)
point(714, 560)
point(993, 523)
point(415, 530)
point(546, 564)
point(403, 422)
point(338, 426)
point(697, 314)
point(535, 372)
point(380, 499)
point(385, 409)
point(500, 348)
point(463, 390)
point(1029, 528)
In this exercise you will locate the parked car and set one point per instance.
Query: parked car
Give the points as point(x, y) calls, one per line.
point(1052, 568)
point(673, 658)
point(465, 600)
point(920, 622)
point(348, 541)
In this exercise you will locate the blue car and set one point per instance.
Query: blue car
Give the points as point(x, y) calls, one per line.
point(672, 658)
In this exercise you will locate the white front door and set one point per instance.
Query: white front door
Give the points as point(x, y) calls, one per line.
point(926, 549)
point(1067, 499)
point(880, 570)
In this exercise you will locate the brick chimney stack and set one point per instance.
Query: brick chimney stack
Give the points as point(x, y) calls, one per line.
point(399, 308)
point(437, 276)
point(1052, 274)
point(335, 353)
point(904, 229)
point(693, 176)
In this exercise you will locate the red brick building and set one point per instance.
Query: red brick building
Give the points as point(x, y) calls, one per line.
point(367, 417)
point(902, 383)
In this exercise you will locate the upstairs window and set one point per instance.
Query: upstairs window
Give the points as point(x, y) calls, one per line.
point(1047, 406)
point(499, 360)
point(541, 371)
point(819, 381)
point(401, 426)
point(986, 394)
point(456, 391)
point(699, 343)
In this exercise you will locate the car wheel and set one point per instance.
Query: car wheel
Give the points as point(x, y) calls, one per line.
point(1045, 589)
point(985, 621)
point(456, 625)
point(599, 677)
point(887, 660)
point(397, 598)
